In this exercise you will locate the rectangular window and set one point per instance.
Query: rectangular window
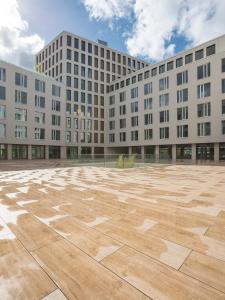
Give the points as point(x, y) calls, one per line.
point(39, 133)
point(148, 134)
point(112, 112)
point(20, 97)
point(164, 83)
point(204, 110)
point(2, 93)
point(134, 121)
point(223, 126)
point(161, 69)
point(148, 88)
point(134, 107)
point(134, 92)
point(204, 129)
point(39, 101)
point(20, 79)
point(223, 106)
point(223, 85)
point(182, 95)
point(20, 114)
point(203, 90)
point(164, 100)
point(188, 58)
point(112, 125)
point(122, 123)
point(223, 65)
point(134, 135)
point(122, 136)
point(182, 113)
point(179, 62)
point(55, 120)
point(199, 54)
point(148, 119)
point(170, 65)
point(55, 90)
point(210, 50)
point(68, 54)
point(182, 131)
point(55, 105)
point(39, 117)
point(203, 71)
point(111, 137)
point(20, 132)
point(147, 103)
point(122, 96)
point(112, 100)
point(55, 135)
point(182, 77)
point(2, 74)
point(164, 133)
point(164, 116)
point(122, 109)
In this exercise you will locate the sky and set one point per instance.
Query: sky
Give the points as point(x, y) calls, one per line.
point(149, 29)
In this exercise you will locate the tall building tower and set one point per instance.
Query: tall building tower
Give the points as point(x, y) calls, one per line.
point(86, 68)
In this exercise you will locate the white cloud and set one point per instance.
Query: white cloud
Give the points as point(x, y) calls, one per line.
point(108, 9)
point(16, 44)
point(157, 22)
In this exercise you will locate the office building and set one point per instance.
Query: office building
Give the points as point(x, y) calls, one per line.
point(86, 68)
point(174, 109)
point(32, 115)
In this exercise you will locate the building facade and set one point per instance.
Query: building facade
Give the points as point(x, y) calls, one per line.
point(174, 109)
point(32, 115)
point(87, 98)
point(86, 68)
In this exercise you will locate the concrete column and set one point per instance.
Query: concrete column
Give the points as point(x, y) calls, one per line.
point(129, 150)
point(174, 153)
point(46, 152)
point(29, 154)
point(9, 152)
point(216, 152)
point(92, 152)
point(157, 152)
point(142, 152)
point(193, 152)
point(63, 152)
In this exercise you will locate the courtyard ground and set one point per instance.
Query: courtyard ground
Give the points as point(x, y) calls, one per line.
point(97, 233)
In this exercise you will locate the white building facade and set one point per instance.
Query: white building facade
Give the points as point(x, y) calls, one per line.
point(91, 99)
point(174, 109)
point(86, 68)
point(32, 115)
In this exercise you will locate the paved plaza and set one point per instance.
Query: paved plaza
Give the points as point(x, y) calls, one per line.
point(156, 232)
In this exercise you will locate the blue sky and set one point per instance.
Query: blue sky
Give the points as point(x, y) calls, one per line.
point(72, 16)
point(149, 29)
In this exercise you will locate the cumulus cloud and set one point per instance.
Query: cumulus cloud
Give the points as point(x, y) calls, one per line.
point(158, 23)
point(17, 45)
point(108, 9)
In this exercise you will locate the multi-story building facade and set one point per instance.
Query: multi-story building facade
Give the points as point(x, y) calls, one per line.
point(91, 99)
point(32, 115)
point(172, 109)
point(86, 68)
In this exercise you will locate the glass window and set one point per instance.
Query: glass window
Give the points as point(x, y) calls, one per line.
point(20, 114)
point(203, 90)
point(188, 58)
point(2, 93)
point(210, 50)
point(20, 79)
point(179, 62)
point(2, 74)
point(164, 100)
point(20, 97)
point(199, 54)
point(164, 133)
point(182, 95)
point(161, 69)
point(223, 65)
point(223, 85)
point(204, 129)
point(170, 65)
point(20, 132)
point(203, 71)
point(223, 106)
point(2, 112)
